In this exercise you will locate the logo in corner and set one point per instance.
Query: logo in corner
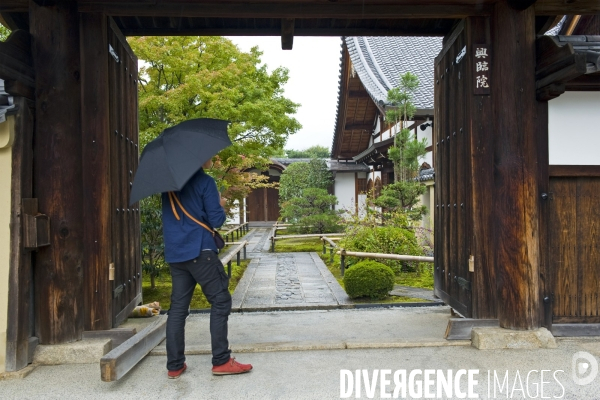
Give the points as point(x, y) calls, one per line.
point(584, 368)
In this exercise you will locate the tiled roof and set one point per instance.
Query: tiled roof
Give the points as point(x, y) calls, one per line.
point(339, 166)
point(379, 62)
point(332, 165)
point(426, 174)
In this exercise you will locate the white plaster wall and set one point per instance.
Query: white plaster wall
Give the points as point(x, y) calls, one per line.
point(574, 129)
point(6, 138)
point(427, 134)
point(344, 188)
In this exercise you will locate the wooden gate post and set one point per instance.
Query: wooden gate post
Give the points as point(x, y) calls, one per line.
point(57, 170)
point(516, 198)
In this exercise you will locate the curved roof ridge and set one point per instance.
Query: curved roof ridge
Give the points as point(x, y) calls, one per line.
point(380, 59)
point(376, 64)
point(365, 68)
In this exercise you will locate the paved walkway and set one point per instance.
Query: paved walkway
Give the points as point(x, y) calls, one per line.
point(287, 281)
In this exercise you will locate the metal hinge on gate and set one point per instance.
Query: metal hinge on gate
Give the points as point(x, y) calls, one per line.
point(463, 283)
point(113, 53)
point(117, 291)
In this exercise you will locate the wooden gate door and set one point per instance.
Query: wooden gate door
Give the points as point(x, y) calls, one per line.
point(255, 204)
point(574, 247)
point(272, 205)
point(125, 225)
point(452, 278)
point(463, 152)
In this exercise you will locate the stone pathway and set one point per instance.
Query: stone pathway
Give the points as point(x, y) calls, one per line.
point(287, 281)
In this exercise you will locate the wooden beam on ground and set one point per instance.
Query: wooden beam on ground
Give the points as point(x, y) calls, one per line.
point(460, 328)
point(115, 364)
point(117, 335)
point(287, 33)
point(575, 330)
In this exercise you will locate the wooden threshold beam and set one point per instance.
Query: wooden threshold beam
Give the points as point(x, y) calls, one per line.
point(575, 330)
point(115, 364)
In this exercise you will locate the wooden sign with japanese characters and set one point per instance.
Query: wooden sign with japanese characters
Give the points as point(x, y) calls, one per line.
point(481, 69)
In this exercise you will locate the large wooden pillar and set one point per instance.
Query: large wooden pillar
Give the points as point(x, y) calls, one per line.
point(57, 170)
point(516, 198)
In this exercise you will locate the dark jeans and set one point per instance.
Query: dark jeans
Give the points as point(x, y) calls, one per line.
point(206, 270)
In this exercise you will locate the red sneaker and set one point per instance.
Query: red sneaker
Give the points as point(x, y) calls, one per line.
point(231, 367)
point(177, 373)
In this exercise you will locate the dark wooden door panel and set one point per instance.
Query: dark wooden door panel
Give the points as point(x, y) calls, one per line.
point(272, 204)
point(255, 205)
point(126, 287)
point(452, 245)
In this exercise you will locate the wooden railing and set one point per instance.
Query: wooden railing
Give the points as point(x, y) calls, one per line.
point(307, 235)
point(332, 246)
point(238, 230)
point(239, 247)
point(343, 253)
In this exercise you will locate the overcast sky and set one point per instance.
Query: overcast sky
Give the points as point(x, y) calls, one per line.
point(314, 66)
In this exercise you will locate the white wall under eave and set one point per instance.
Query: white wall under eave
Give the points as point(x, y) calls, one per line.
point(345, 191)
point(574, 129)
point(6, 139)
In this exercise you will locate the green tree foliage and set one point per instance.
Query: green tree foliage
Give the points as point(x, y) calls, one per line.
point(395, 237)
point(369, 279)
point(4, 33)
point(312, 212)
point(404, 193)
point(299, 176)
point(153, 248)
point(312, 152)
point(209, 77)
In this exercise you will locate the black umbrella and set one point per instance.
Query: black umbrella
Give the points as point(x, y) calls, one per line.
point(170, 160)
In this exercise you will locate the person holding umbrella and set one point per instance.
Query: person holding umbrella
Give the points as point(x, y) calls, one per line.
point(173, 164)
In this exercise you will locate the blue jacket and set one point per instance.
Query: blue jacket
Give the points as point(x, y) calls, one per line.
point(185, 239)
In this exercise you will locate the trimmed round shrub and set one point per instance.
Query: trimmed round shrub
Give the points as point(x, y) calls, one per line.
point(369, 279)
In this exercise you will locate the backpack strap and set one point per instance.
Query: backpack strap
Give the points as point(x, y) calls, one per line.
point(173, 199)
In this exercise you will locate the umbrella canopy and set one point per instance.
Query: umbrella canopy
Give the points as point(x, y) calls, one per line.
point(170, 160)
